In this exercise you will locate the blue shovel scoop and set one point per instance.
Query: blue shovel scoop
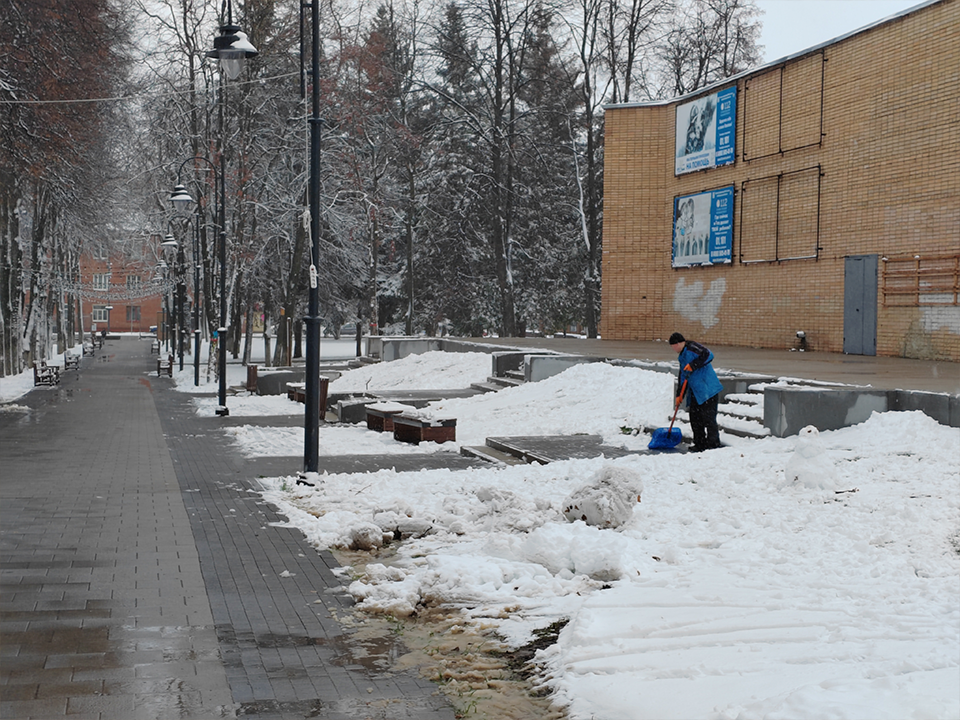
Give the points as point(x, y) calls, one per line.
point(666, 438)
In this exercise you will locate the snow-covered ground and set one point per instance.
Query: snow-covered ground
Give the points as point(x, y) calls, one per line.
point(805, 577)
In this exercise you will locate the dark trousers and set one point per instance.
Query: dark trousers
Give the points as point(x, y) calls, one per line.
point(703, 421)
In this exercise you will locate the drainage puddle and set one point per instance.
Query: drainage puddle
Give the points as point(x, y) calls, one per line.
point(478, 674)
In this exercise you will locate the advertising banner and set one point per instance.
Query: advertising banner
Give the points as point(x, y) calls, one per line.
point(703, 228)
point(706, 131)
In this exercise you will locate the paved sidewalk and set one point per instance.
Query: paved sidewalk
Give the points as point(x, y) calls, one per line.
point(883, 373)
point(142, 577)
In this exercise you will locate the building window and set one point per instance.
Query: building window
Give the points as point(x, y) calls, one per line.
point(133, 282)
point(101, 281)
point(133, 313)
point(99, 313)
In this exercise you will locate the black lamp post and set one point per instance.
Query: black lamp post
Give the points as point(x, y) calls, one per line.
point(182, 201)
point(180, 299)
point(231, 47)
point(312, 409)
point(176, 319)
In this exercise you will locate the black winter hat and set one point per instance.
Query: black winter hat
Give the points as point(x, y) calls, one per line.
point(676, 338)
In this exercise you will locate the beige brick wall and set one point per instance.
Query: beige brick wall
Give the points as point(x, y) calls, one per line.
point(883, 178)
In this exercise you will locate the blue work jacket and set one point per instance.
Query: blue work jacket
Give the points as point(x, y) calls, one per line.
point(701, 379)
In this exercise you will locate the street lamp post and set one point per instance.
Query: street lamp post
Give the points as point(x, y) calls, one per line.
point(312, 409)
point(173, 319)
point(231, 47)
point(179, 299)
point(182, 200)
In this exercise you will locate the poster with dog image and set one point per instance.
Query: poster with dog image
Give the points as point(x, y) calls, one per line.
point(706, 131)
point(703, 228)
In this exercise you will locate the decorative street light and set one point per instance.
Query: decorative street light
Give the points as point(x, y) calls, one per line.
point(182, 200)
point(180, 298)
point(231, 47)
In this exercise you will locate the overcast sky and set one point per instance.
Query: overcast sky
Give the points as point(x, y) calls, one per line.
point(793, 25)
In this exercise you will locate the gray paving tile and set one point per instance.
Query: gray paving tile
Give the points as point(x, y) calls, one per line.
point(146, 585)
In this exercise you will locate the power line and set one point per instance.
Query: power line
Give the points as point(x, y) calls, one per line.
point(139, 96)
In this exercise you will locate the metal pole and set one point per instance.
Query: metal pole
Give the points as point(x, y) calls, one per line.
point(181, 299)
point(196, 297)
point(222, 410)
point(312, 409)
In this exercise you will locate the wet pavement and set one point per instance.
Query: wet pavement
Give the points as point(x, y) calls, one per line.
point(882, 373)
point(141, 575)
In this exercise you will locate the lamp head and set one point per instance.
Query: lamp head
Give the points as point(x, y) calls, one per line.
point(232, 47)
point(181, 199)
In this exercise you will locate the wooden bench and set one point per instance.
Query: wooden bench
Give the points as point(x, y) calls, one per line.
point(165, 366)
point(412, 429)
point(155, 347)
point(380, 415)
point(88, 350)
point(297, 392)
point(44, 374)
point(71, 361)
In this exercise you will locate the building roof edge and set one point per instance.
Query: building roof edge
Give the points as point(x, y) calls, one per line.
point(774, 63)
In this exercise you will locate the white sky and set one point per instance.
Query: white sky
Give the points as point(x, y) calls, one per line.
point(793, 25)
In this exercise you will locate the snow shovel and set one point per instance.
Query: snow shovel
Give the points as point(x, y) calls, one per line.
point(666, 438)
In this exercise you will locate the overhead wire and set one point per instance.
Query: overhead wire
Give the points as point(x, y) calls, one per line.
point(137, 96)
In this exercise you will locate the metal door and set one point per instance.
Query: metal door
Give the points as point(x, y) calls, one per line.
point(860, 305)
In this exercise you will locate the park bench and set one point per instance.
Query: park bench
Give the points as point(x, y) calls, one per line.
point(380, 415)
point(413, 429)
point(165, 365)
point(44, 374)
point(71, 361)
point(155, 347)
point(297, 391)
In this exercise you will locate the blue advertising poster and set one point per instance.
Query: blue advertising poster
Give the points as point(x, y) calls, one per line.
point(706, 132)
point(703, 228)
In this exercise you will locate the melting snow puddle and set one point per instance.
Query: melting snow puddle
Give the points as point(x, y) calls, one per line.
point(480, 676)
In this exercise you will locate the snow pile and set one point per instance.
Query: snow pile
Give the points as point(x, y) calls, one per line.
point(729, 592)
point(608, 500)
point(428, 371)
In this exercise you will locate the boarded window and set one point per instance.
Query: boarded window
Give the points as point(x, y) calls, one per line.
point(783, 108)
point(780, 217)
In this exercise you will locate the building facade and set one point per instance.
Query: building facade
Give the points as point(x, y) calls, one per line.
point(819, 194)
point(128, 291)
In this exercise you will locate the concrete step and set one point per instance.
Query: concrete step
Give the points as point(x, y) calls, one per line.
point(497, 457)
point(486, 387)
point(742, 410)
point(515, 375)
point(362, 361)
point(504, 381)
point(729, 424)
point(741, 428)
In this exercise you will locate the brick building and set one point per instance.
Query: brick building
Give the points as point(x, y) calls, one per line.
point(819, 193)
point(125, 290)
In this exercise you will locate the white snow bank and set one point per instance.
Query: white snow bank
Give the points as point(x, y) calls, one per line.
point(728, 594)
point(435, 370)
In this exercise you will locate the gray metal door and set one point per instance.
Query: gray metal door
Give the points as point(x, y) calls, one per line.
point(860, 305)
